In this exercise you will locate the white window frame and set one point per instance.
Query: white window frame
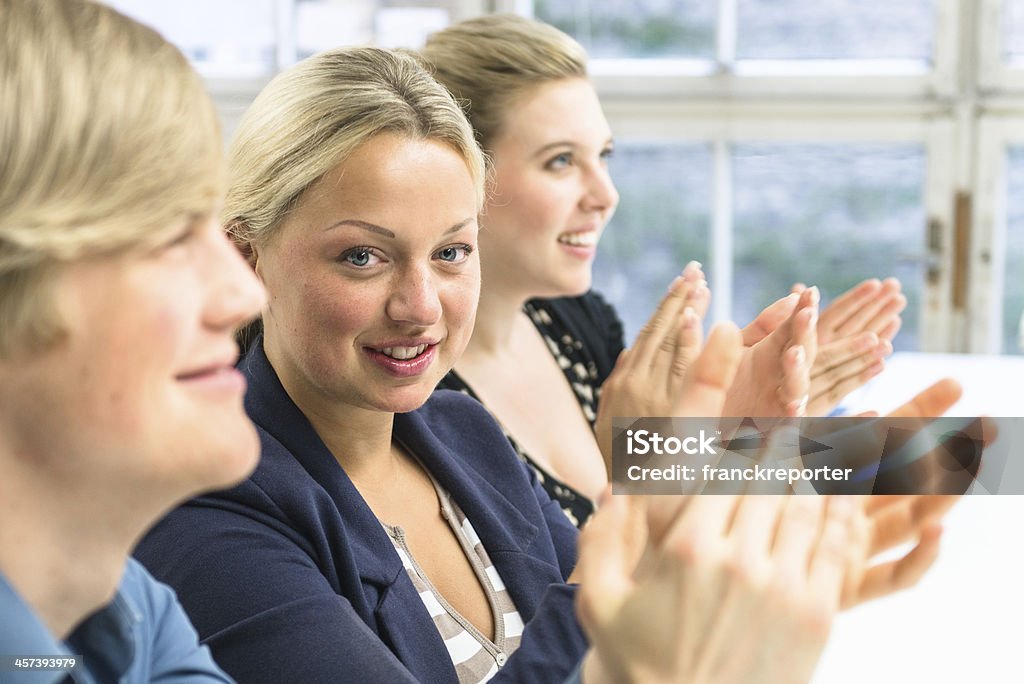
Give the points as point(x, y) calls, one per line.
point(791, 122)
point(998, 132)
point(965, 109)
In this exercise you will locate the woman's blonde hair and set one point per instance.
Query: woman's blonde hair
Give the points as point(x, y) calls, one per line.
point(312, 117)
point(489, 61)
point(107, 141)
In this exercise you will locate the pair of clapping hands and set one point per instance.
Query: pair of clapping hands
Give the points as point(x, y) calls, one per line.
point(744, 588)
point(736, 589)
point(793, 362)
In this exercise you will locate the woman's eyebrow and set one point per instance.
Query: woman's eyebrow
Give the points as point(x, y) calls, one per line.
point(380, 230)
point(551, 145)
point(365, 225)
point(460, 225)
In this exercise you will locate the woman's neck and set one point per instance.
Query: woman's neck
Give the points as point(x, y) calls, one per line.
point(359, 439)
point(498, 320)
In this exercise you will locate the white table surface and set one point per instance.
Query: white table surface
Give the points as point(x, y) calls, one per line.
point(964, 622)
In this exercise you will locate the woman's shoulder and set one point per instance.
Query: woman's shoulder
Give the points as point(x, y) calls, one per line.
point(588, 319)
point(587, 316)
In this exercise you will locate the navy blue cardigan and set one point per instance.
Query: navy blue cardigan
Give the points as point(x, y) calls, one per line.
point(289, 577)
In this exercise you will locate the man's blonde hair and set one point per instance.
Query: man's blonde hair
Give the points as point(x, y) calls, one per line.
point(310, 118)
point(107, 141)
point(489, 61)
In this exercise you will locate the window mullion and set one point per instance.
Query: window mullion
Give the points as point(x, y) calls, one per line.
point(726, 33)
point(722, 233)
point(988, 262)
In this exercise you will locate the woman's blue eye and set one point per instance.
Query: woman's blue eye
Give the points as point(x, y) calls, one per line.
point(560, 162)
point(455, 253)
point(357, 257)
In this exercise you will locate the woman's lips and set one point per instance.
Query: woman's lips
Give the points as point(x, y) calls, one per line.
point(579, 243)
point(403, 368)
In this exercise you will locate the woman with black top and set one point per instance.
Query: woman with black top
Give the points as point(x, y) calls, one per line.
point(544, 343)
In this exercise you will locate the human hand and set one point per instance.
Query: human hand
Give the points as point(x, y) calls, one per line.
point(855, 333)
point(770, 318)
point(702, 392)
point(650, 378)
point(870, 306)
point(842, 366)
point(774, 374)
point(728, 583)
point(889, 521)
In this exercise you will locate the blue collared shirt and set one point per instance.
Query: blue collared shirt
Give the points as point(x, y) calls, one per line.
point(143, 635)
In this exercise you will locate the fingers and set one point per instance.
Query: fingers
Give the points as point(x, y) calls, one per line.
point(844, 365)
point(700, 296)
point(662, 513)
point(658, 333)
point(648, 379)
point(846, 304)
point(931, 402)
point(755, 522)
point(712, 373)
point(825, 397)
point(796, 535)
point(795, 386)
point(688, 347)
point(605, 580)
point(885, 315)
point(798, 357)
point(844, 350)
point(770, 319)
point(661, 340)
point(835, 549)
point(870, 306)
point(902, 518)
point(705, 518)
point(774, 376)
point(858, 548)
point(887, 578)
point(889, 331)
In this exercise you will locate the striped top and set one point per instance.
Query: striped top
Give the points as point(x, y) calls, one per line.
point(475, 657)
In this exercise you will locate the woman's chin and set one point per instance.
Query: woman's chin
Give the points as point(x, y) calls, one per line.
point(404, 402)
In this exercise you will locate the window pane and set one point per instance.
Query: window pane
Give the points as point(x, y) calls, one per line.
point(1013, 299)
point(643, 28)
point(835, 29)
point(662, 223)
point(224, 39)
point(326, 24)
point(1013, 30)
point(828, 215)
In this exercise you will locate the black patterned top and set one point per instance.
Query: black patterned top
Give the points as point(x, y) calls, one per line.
point(585, 336)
